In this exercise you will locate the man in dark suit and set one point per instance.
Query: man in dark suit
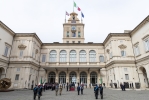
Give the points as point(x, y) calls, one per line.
point(35, 91)
point(78, 89)
point(101, 91)
point(96, 91)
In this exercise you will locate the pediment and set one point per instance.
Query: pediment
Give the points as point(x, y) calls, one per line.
point(122, 46)
point(22, 46)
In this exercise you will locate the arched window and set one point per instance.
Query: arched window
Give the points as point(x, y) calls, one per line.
point(72, 56)
point(51, 77)
point(62, 77)
point(63, 56)
point(92, 56)
point(93, 77)
point(53, 56)
point(82, 56)
point(101, 58)
point(83, 77)
point(73, 77)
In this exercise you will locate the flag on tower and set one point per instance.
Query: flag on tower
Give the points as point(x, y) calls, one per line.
point(79, 9)
point(67, 13)
point(75, 5)
point(82, 14)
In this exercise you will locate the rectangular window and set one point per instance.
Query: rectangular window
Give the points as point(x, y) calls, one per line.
point(43, 58)
point(73, 34)
point(125, 69)
point(126, 76)
point(21, 53)
point(79, 35)
point(67, 33)
point(123, 53)
point(147, 45)
point(136, 50)
point(6, 51)
point(79, 41)
point(110, 55)
point(18, 69)
point(17, 77)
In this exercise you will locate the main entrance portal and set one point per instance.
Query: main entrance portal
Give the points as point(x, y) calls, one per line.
point(51, 78)
point(93, 78)
point(73, 77)
point(62, 77)
point(83, 77)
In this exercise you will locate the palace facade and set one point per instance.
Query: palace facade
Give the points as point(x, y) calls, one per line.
point(122, 57)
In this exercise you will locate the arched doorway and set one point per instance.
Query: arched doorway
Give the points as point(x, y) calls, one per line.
point(83, 77)
point(62, 77)
point(51, 78)
point(2, 73)
point(143, 77)
point(73, 77)
point(93, 78)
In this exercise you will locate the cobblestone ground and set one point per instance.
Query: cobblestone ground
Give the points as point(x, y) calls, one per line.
point(88, 95)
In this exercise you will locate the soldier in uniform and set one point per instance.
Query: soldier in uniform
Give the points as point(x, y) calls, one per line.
point(56, 89)
point(96, 91)
point(60, 90)
point(35, 91)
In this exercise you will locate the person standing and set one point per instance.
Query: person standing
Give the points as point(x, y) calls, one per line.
point(35, 91)
point(124, 86)
point(82, 87)
point(78, 89)
point(96, 91)
point(56, 89)
point(67, 86)
point(39, 91)
point(101, 91)
point(60, 90)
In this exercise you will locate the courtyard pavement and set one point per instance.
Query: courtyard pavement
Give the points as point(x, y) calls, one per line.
point(109, 94)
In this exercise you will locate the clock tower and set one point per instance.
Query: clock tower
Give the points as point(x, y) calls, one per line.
point(73, 30)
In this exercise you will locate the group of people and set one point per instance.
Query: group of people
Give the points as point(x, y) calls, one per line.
point(97, 90)
point(122, 86)
point(80, 88)
point(37, 90)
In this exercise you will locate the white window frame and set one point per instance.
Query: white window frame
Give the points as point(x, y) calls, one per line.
point(6, 50)
point(136, 50)
point(101, 58)
point(123, 53)
point(43, 58)
point(92, 56)
point(72, 56)
point(146, 44)
point(21, 53)
point(53, 56)
point(82, 56)
point(63, 56)
point(18, 69)
point(17, 77)
point(126, 76)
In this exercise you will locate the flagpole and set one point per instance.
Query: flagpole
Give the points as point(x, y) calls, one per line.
point(65, 16)
point(81, 17)
point(73, 5)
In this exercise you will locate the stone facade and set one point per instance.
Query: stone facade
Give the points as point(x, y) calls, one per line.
point(122, 57)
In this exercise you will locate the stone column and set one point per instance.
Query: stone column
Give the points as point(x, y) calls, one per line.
point(88, 79)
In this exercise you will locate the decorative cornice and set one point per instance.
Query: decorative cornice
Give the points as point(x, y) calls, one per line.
point(120, 62)
point(142, 59)
point(7, 28)
point(122, 46)
point(24, 62)
point(22, 46)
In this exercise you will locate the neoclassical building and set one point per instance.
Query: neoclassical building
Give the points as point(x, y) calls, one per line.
point(122, 57)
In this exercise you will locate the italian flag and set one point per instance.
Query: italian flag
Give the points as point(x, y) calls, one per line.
point(75, 5)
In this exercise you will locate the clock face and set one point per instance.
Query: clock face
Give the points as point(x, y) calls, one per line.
point(73, 27)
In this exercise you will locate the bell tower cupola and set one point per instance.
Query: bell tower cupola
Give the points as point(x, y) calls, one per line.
point(73, 30)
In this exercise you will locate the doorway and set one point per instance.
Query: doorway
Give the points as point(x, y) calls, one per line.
point(51, 78)
point(62, 77)
point(93, 78)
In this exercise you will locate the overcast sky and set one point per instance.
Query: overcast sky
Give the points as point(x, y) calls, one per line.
point(45, 17)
